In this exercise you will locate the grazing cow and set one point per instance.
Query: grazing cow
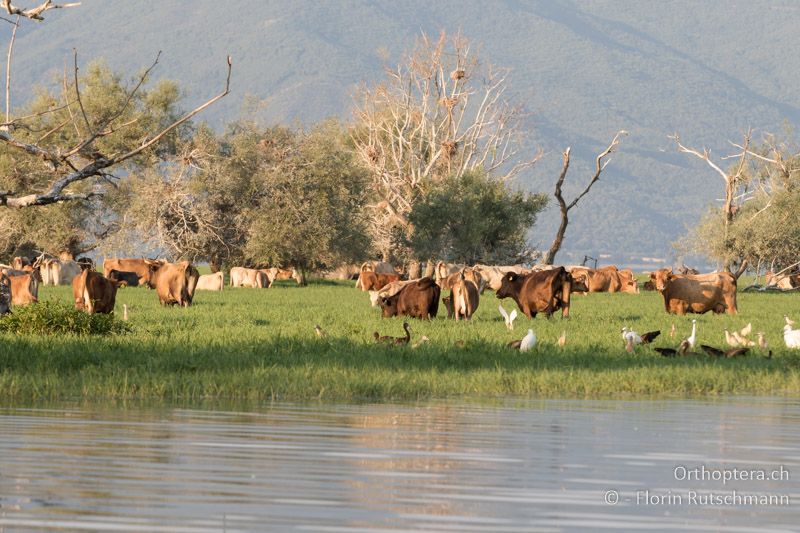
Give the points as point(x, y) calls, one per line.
point(417, 299)
point(696, 293)
point(175, 283)
point(20, 262)
point(124, 279)
point(249, 277)
point(211, 282)
point(389, 290)
point(143, 268)
point(370, 281)
point(94, 293)
point(464, 296)
point(24, 289)
point(493, 275)
point(544, 291)
point(5, 294)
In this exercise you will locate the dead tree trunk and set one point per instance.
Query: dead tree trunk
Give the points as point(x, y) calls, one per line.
point(564, 207)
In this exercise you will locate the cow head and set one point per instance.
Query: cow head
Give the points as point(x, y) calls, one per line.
point(580, 282)
point(661, 278)
point(510, 285)
point(389, 306)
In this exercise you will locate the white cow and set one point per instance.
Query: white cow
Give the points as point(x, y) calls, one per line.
point(211, 282)
point(248, 277)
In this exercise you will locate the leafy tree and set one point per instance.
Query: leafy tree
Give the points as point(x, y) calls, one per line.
point(311, 212)
point(78, 226)
point(473, 219)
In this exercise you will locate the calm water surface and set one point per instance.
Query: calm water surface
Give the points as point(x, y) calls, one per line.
point(444, 466)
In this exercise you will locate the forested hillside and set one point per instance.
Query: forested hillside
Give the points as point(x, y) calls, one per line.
point(582, 70)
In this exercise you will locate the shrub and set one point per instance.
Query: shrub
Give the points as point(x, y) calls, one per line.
point(52, 318)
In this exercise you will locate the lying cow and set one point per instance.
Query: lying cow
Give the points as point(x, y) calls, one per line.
point(417, 299)
point(24, 289)
point(699, 294)
point(606, 279)
point(539, 292)
point(175, 283)
point(143, 268)
point(124, 279)
point(94, 293)
point(211, 282)
point(249, 277)
point(783, 281)
point(370, 281)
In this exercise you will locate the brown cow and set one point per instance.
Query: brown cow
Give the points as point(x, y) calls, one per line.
point(143, 268)
point(175, 283)
point(465, 294)
point(94, 293)
point(24, 289)
point(419, 299)
point(696, 293)
point(606, 279)
point(124, 279)
point(370, 281)
point(539, 292)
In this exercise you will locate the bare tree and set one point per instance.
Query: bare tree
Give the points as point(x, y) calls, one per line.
point(440, 112)
point(565, 207)
point(733, 180)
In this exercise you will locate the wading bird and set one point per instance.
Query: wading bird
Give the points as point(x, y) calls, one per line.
point(509, 318)
point(683, 350)
point(716, 352)
point(693, 337)
point(395, 340)
point(791, 336)
point(562, 340)
point(318, 330)
point(528, 342)
point(628, 335)
point(125, 312)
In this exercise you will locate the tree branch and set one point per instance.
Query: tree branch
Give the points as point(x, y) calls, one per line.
point(35, 13)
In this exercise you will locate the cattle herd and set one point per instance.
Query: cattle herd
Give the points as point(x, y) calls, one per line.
point(415, 292)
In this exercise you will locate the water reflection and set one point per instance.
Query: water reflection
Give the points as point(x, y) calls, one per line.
point(444, 466)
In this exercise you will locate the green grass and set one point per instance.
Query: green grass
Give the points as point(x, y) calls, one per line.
point(251, 344)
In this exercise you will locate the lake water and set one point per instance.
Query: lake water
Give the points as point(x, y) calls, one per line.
point(443, 466)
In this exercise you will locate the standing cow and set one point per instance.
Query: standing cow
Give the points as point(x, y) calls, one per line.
point(211, 282)
point(699, 293)
point(94, 293)
point(175, 283)
point(544, 291)
point(417, 299)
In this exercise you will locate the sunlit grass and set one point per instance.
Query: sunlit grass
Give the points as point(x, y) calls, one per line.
point(260, 344)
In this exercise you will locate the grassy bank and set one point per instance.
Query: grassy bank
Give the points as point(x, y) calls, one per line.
point(260, 344)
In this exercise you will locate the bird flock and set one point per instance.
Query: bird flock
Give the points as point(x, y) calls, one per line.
point(738, 341)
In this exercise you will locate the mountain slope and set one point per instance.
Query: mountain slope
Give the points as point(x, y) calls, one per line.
point(584, 70)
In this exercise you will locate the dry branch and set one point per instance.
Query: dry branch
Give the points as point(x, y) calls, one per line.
point(600, 164)
point(35, 13)
point(96, 167)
